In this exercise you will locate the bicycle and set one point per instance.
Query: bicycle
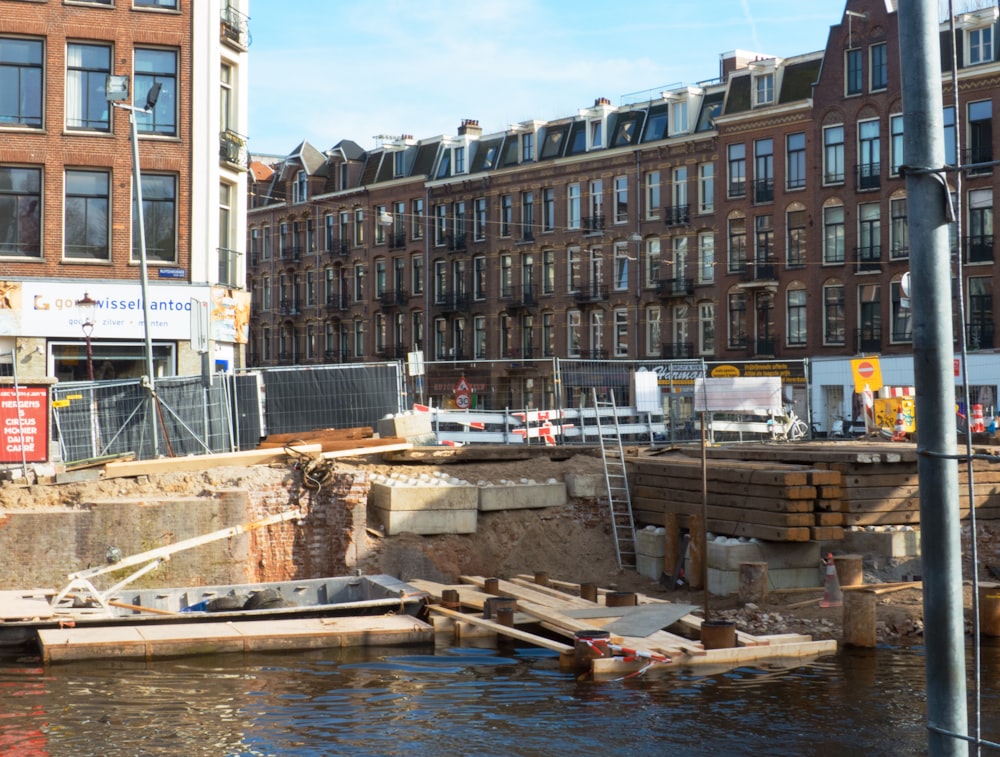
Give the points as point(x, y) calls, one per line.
point(789, 428)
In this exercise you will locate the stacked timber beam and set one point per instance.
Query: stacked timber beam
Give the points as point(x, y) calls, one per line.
point(773, 501)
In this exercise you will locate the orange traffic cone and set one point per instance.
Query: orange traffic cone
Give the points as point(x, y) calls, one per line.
point(978, 426)
point(832, 596)
point(899, 431)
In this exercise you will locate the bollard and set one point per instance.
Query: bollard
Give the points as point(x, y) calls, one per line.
point(849, 570)
point(588, 592)
point(859, 618)
point(450, 599)
point(505, 616)
point(620, 599)
point(492, 605)
point(491, 586)
point(588, 646)
point(541, 578)
point(753, 582)
point(718, 634)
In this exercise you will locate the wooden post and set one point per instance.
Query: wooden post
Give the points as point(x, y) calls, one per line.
point(849, 570)
point(621, 599)
point(697, 575)
point(989, 609)
point(450, 599)
point(860, 618)
point(491, 586)
point(753, 582)
point(671, 543)
point(588, 591)
point(541, 578)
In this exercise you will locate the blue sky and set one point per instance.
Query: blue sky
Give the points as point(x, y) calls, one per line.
point(326, 70)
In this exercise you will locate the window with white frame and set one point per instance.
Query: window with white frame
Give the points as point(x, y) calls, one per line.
point(359, 227)
point(652, 266)
point(548, 271)
point(359, 282)
point(620, 321)
point(597, 334)
point(87, 67)
point(879, 67)
point(21, 76)
point(417, 217)
point(737, 155)
point(795, 160)
point(895, 143)
point(417, 273)
point(706, 257)
point(679, 328)
point(621, 259)
point(901, 315)
point(548, 209)
point(548, 334)
point(833, 234)
point(899, 241)
point(596, 219)
point(300, 187)
point(440, 224)
point(621, 199)
point(574, 270)
point(595, 131)
point(678, 121)
point(506, 214)
point(796, 219)
point(853, 81)
point(479, 336)
point(833, 154)
point(652, 195)
point(980, 45)
point(87, 212)
point(763, 89)
point(737, 262)
point(573, 211)
point(736, 303)
point(706, 187)
point(573, 327)
point(154, 67)
point(479, 278)
point(706, 328)
point(654, 343)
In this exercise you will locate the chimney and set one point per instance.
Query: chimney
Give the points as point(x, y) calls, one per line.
point(601, 101)
point(470, 126)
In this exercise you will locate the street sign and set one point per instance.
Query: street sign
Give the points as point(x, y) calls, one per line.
point(867, 374)
point(462, 387)
point(463, 401)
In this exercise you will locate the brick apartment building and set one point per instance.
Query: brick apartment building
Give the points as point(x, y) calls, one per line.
point(757, 216)
point(69, 254)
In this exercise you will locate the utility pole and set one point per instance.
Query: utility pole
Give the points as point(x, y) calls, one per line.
point(928, 200)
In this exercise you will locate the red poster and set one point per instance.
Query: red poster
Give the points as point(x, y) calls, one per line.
point(24, 418)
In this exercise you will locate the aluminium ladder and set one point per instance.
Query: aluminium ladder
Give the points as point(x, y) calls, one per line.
point(615, 479)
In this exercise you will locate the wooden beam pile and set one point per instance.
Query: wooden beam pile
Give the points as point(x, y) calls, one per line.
point(767, 500)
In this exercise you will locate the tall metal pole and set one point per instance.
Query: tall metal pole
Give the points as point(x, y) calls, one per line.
point(928, 200)
point(144, 275)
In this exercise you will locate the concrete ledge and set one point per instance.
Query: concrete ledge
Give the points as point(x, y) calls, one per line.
point(444, 497)
point(428, 522)
point(885, 543)
point(586, 485)
point(722, 582)
point(777, 555)
point(415, 428)
point(521, 496)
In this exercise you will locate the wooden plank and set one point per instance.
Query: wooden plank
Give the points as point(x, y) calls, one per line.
point(357, 432)
point(827, 533)
point(759, 504)
point(203, 462)
point(358, 451)
point(26, 604)
point(514, 633)
point(737, 515)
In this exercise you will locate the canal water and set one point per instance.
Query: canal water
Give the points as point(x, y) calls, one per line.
point(418, 701)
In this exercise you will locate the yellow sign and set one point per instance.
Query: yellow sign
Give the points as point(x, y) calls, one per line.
point(72, 397)
point(867, 372)
point(60, 403)
point(892, 409)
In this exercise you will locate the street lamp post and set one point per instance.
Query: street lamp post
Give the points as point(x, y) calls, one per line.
point(87, 307)
point(116, 89)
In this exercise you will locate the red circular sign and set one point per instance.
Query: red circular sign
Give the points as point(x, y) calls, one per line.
point(866, 369)
point(463, 401)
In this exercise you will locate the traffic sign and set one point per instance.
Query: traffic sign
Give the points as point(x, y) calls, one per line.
point(463, 386)
point(463, 401)
point(867, 374)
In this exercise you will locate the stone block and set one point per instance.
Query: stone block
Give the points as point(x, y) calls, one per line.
point(885, 543)
point(650, 567)
point(777, 555)
point(649, 542)
point(445, 497)
point(721, 582)
point(414, 427)
point(521, 496)
point(586, 485)
point(428, 522)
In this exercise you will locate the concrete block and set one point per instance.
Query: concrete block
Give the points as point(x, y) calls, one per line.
point(649, 542)
point(721, 582)
point(445, 497)
point(885, 543)
point(428, 522)
point(414, 428)
point(650, 567)
point(777, 555)
point(586, 485)
point(521, 496)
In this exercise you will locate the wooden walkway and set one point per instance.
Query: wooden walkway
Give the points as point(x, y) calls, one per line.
point(559, 609)
point(151, 641)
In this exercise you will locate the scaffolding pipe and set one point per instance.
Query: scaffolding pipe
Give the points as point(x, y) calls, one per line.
point(928, 200)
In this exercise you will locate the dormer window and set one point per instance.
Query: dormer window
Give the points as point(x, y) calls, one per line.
point(763, 88)
point(398, 164)
point(458, 154)
point(980, 35)
point(596, 134)
point(678, 117)
point(981, 45)
point(300, 188)
point(527, 147)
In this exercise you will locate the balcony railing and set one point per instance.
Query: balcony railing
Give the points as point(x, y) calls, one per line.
point(678, 287)
point(229, 268)
point(234, 29)
point(233, 148)
point(592, 224)
point(338, 247)
point(975, 155)
point(868, 339)
point(591, 294)
point(392, 351)
point(868, 258)
point(765, 270)
point(763, 190)
point(396, 240)
point(677, 215)
point(520, 297)
point(336, 303)
point(393, 298)
point(452, 302)
point(761, 347)
point(677, 350)
point(456, 242)
point(290, 306)
point(869, 175)
point(979, 249)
